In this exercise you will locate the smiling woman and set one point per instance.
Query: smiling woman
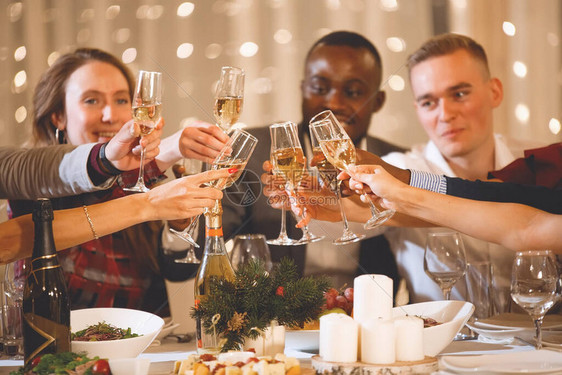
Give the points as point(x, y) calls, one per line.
point(84, 97)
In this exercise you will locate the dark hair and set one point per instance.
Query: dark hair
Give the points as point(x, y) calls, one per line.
point(350, 39)
point(49, 94)
point(446, 44)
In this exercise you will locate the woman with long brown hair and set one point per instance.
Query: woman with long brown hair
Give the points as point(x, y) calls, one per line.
point(85, 97)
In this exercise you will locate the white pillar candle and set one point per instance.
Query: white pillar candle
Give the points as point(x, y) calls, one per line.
point(274, 341)
point(409, 338)
point(372, 297)
point(338, 338)
point(377, 341)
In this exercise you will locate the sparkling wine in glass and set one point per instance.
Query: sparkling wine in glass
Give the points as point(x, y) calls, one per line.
point(289, 162)
point(147, 108)
point(340, 152)
point(328, 174)
point(444, 260)
point(229, 97)
point(235, 154)
point(533, 285)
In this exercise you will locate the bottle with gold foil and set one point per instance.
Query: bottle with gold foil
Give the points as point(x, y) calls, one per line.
point(46, 307)
point(214, 265)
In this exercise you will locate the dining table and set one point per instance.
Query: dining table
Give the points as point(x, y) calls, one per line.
point(163, 354)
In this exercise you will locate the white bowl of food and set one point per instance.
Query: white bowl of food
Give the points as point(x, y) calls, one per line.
point(450, 317)
point(144, 324)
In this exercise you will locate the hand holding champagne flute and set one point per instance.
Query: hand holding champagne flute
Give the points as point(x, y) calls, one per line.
point(229, 97)
point(147, 107)
point(288, 161)
point(340, 152)
point(234, 155)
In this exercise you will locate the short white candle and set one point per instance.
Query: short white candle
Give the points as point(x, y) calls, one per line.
point(377, 341)
point(338, 338)
point(409, 338)
point(372, 297)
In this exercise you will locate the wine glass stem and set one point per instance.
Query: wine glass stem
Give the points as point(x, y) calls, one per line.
point(447, 293)
point(283, 231)
point(374, 211)
point(140, 180)
point(340, 203)
point(538, 324)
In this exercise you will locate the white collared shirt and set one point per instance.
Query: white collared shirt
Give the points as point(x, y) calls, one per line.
point(408, 244)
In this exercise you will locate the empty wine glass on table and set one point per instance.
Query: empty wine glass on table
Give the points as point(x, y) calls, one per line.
point(229, 97)
point(147, 108)
point(289, 162)
point(12, 308)
point(340, 152)
point(444, 260)
point(533, 285)
point(249, 247)
point(328, 174)
point(234, 154)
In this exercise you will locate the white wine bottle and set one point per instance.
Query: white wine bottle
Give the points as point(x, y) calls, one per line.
point(46, 307)
point(215, 266)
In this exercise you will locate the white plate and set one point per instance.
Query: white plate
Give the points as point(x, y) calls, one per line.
point(552, 339)
point(496, 334)
point(167, 330)
point(304, 339)
point(517, 321)
point(529, 362)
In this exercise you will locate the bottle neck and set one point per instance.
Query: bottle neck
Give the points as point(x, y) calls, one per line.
point(214, 241)
point(44, 243)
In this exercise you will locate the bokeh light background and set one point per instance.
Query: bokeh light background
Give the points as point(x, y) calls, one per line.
point(190, 41)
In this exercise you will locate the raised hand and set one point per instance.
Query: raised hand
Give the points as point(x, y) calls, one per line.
point(123, 150)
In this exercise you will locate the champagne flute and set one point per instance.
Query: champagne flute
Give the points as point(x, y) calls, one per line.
point(229, 97)
point(288, 161)
point(147, 108)
point(533, 285)
point(340, 152)
point(234, 154)
point(328, 173)
point(444, 260)
point(188, 167)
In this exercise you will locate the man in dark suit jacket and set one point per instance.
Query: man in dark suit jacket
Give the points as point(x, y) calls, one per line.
point(343, 73)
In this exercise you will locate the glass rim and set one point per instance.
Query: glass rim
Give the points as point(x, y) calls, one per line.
point(249, 135)
point(325, 114)
point(233, 68)
point(250, 236)
point(443, 233)
point(149, 72)
point(283, 124)
point(534, 252)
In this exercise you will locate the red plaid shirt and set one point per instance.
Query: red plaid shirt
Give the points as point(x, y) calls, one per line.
point(103, 273)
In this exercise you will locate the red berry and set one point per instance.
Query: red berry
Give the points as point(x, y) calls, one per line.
point(330, 301)
point(348, 293)
point(341, 302)
point(101, 367)
point(35, 361)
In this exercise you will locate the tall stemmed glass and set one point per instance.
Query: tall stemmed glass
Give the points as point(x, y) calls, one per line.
point(328, 173)
point(189, 167)
point(533, 285)
point(229, 97)
point(444, 260)
point(234, 154)
point(147, 108)
point(288, 161)
point(340, 152)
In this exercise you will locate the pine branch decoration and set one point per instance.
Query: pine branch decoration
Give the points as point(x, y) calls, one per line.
point(248, 305)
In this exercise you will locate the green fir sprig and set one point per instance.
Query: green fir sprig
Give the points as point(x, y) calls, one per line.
point(248, 305)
